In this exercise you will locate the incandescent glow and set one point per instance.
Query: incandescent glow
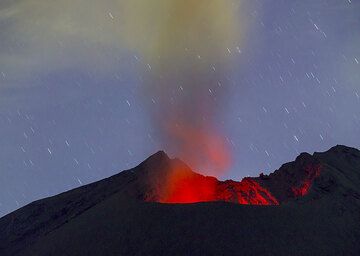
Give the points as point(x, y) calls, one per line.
point(184, 186)
point(179, 184)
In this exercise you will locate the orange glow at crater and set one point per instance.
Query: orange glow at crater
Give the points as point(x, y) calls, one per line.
point(183, 186)
point(206, 149)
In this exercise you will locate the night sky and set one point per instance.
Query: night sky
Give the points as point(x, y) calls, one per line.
point(73, 109)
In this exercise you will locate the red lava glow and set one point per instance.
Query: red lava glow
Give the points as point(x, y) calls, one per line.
point(203, 148)
point(247, 191)
point(186, 187)
point(206, 149)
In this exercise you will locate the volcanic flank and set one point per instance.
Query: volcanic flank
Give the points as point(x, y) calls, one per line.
point(310, 206)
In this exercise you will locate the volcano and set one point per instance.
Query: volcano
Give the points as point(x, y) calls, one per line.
point(310, 206)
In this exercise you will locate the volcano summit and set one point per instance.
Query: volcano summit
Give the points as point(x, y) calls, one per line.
point(310, 206)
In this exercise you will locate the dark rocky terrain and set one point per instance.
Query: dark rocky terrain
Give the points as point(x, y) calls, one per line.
point(307, 207)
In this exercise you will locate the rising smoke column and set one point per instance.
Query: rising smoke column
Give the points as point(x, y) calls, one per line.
point(185, 45)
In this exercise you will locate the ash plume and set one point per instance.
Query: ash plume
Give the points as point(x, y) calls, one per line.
point(186, 45)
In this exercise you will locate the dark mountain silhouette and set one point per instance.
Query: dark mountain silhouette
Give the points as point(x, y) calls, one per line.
point(310, 206)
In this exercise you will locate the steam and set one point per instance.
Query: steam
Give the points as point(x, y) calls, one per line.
point(185, 45)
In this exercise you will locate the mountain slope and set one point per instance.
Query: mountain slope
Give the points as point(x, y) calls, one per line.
point(318, 213)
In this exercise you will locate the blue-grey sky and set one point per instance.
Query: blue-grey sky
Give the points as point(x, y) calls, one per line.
point(73, 110)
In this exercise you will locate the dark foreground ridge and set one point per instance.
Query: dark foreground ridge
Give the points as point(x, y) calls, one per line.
point(312, 208)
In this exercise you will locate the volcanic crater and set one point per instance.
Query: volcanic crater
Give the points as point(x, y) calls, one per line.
point(173, 181)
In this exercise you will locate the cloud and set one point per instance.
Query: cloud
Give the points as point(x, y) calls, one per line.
point(40, 36)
